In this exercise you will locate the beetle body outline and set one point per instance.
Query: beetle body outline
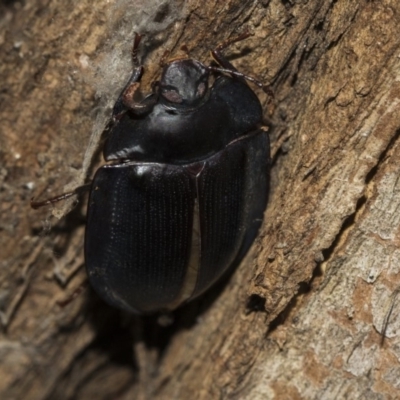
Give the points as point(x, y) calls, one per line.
point(185, 186)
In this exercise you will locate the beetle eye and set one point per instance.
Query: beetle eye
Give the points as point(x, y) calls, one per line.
point(172, 95)
point(201, 89)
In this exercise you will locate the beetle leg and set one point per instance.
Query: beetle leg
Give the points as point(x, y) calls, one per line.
point(78, 191)
point(135, 49)
point(266, 88)
point(217, 52)
point(128, 95)
point(228, 68)
point(120, 106)
point(74, 294)
point(125, 101)
point(138, 107)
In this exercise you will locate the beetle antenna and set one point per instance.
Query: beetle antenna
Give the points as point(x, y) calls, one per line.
point(266, 88)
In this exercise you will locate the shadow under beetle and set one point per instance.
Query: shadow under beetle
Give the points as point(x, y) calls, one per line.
point(185, 189)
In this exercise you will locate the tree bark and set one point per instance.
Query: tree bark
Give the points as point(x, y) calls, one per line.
point(313, 311)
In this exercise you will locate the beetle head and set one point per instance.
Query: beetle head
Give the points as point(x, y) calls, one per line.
point(184, 82)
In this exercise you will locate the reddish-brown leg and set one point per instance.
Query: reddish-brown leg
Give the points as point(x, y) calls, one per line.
point(76, 192)
point(228, 68)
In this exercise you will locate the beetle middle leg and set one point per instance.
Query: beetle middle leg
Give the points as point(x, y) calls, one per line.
point(76, 192)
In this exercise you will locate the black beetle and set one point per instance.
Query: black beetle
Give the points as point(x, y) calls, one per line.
point(184, 192)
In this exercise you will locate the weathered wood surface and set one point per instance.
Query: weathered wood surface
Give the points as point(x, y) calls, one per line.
point(305, 316)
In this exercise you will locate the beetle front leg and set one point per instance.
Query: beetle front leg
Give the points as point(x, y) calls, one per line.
point(135, 48)
point(228, 68)
point(125, 100)
point(217, 52)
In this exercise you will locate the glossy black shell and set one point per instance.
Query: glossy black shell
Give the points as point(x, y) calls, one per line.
point(181, 201)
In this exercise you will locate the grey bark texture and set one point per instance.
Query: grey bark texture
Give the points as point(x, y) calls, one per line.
point(314, 311)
